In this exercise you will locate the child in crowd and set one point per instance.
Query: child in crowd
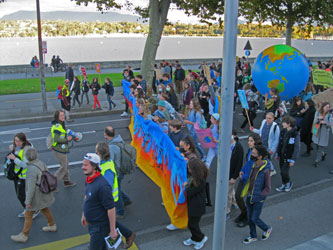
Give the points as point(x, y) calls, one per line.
point(212, 152)
point(159, 118)
point(272, 104)
point(287, 152)
point(175, 132)
point(161, 107)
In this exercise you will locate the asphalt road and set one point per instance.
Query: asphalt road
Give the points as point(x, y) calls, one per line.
point(146, 211)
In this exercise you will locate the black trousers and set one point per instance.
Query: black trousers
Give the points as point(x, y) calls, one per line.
point(76, 97)
point(193, 226)
point(252, 116)
point(284, 168)
point(86, 94)
point(239, 200)
point(20, 190)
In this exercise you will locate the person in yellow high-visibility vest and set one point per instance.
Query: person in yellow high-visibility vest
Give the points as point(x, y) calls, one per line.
point(20, 144)
point(66, 99)
point(108, 169)
point(60, 149)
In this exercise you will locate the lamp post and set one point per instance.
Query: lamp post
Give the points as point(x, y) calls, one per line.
point(41, 64)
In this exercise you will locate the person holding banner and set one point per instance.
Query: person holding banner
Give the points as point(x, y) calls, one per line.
point(251, 98)
point(196, 201)
point(322, 124)
point(95, 88)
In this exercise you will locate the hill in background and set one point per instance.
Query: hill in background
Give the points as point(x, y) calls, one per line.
point(74, 16)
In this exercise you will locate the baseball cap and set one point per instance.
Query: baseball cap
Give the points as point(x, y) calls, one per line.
point(216, 116)
point(94, 158)
point(161, 103)
point(159, 114)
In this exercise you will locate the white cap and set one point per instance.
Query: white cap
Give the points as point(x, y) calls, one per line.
point(94, 158)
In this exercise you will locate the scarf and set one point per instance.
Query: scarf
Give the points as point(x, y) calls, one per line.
point(90, 179)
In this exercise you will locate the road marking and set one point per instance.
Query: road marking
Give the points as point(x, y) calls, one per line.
point(70, 243)
point(57, 165)
point(44, 137)
point(28, 130)
point(28, 100)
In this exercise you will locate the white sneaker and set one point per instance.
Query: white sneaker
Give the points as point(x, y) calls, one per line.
point(171, 227)
point(272, 172)
point(21, 215)
point(188, 242)
point(36, 213)
point(200, 244)
point(124, 114)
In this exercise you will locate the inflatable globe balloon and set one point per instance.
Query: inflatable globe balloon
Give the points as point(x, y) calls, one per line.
point(282, 67)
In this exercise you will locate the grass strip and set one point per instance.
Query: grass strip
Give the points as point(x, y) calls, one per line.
point(32, 85)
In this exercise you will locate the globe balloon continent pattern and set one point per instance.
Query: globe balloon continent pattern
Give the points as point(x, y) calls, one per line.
point(282, 67)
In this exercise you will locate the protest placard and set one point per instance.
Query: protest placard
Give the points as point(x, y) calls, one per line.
point(322, 77)
point(205, 137)
point(242, 98)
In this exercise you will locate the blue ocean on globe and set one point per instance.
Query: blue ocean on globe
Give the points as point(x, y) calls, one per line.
point(282, 67)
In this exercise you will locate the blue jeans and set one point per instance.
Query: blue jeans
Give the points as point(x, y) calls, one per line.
point(212, 152)
point(197, 144)
point(98, 231)
point(122, 197)
point(108, 97)
point(253, 213)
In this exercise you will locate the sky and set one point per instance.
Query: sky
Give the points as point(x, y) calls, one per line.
point(11, 6)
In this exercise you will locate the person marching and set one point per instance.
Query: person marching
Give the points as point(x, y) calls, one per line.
point(60, 148)
point(35, 199)
point(256, 190)
point(20, 145)
point(95, 88)
point(324, 122)
point(99, 207)
point(66, 99)
point(288, 150)
point(195, 190)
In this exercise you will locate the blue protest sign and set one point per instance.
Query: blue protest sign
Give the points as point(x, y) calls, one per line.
point(242, 98)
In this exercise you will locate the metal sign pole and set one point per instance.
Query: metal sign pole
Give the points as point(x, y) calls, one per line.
point(227, 102)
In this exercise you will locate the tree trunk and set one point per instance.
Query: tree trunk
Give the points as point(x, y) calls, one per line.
point(289, 31)
point(158, 11)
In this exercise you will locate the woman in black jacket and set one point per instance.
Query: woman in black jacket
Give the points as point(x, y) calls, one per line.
point(306, 125)
point(172, 97)
point(76, 90)
point(295, 111)
point(196, 201)
point(95, 88)
point(109, 90)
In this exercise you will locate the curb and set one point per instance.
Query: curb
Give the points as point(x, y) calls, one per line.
point(49, 117)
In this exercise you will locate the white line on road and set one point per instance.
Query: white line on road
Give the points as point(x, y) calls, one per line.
point(44, 137)
point(57, 165)
point(28, 130)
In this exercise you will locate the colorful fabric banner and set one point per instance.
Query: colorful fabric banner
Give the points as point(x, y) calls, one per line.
point(205, 136)
point(158, 158)
point(242, 98)
point(322, 77)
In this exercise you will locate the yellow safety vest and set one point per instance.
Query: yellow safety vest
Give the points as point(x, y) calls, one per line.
point(23, 174)
point(110, 165)
point(63, 88)
point(58, 127)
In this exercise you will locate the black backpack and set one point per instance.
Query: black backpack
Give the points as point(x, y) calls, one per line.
point(9, 169)
point(128, 157)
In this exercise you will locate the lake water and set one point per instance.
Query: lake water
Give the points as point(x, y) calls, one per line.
point(15, 51)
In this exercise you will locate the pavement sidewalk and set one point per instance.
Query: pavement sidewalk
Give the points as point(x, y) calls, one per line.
point(28, 107)
point(298, 223)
